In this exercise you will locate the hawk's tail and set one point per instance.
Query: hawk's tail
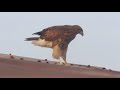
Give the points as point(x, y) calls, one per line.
point(31, 38)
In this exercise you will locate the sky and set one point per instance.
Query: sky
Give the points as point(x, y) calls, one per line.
point(100, 45)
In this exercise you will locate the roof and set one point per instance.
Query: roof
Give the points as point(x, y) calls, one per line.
point(12, 66)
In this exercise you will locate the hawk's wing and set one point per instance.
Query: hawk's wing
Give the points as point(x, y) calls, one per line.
point(50, 34)
point(57, 32)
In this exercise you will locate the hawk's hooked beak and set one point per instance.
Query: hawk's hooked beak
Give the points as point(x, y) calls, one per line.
point(82, 33)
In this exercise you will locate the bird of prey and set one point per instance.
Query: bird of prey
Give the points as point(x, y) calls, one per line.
point(57, 38)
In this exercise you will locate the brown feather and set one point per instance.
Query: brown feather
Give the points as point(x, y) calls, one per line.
point(55, 32)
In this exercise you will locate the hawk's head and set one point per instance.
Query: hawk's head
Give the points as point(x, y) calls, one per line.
point(80, 30)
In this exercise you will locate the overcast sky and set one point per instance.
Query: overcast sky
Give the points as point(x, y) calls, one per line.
point(100, 45)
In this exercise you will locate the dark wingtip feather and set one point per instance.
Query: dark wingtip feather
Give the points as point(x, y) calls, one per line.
point(31, 38)
point(37, 33)
point(33, 33)
point(26, 39)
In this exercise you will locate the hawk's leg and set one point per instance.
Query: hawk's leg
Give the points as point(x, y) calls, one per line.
point(61, 63)
point(65, 61)
point(64, 52)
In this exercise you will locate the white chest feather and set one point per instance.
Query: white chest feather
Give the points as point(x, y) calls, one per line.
point(42, 43)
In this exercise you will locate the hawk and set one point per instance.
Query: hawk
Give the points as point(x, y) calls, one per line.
point(57, 38)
